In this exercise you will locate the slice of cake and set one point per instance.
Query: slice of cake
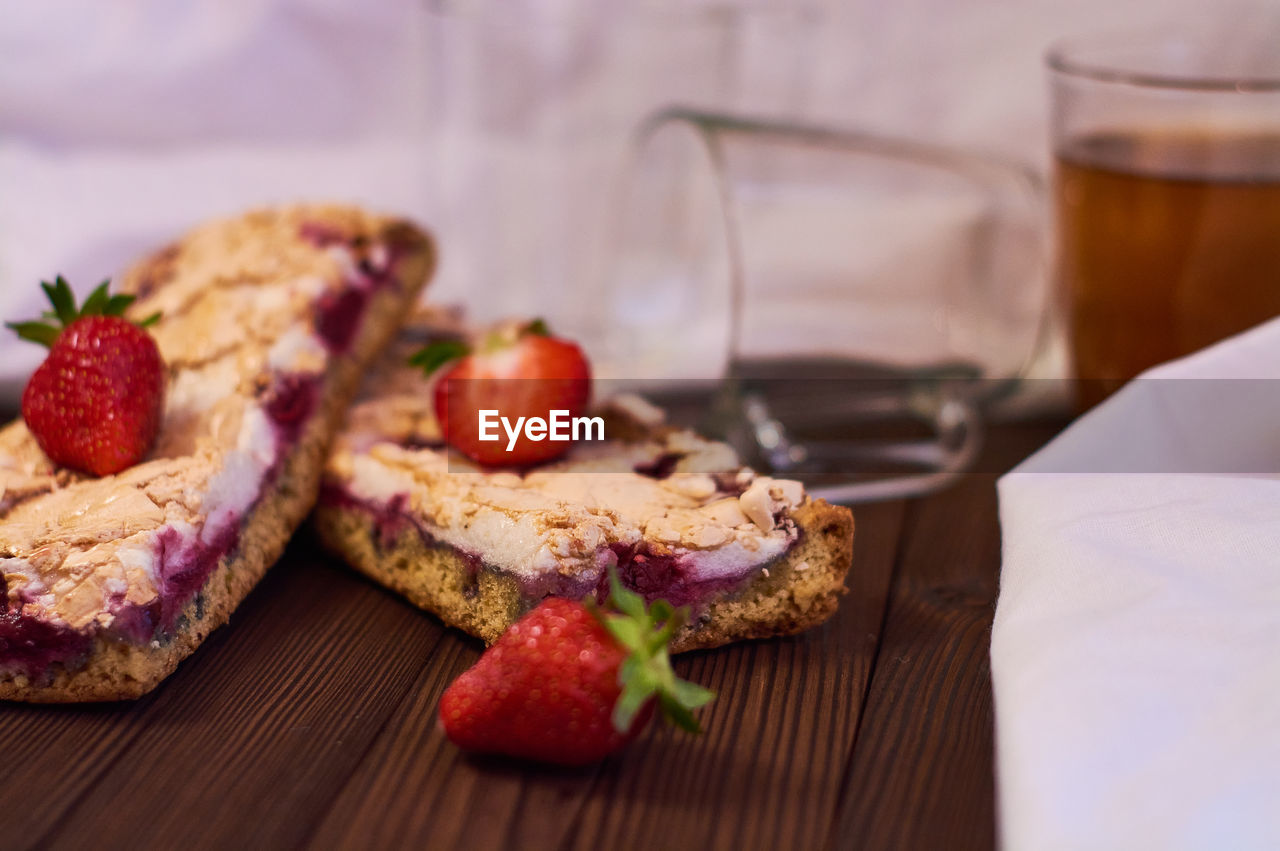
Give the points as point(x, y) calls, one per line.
point(674, 514)
point(267, 324)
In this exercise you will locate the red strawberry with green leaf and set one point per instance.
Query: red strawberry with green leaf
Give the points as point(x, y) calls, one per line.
point(570, 684)
point(96, 402)
point(516, 370)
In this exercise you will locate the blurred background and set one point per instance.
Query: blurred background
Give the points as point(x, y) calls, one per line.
point(500, 125)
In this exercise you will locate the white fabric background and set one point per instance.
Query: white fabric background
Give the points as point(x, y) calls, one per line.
point(123, 123)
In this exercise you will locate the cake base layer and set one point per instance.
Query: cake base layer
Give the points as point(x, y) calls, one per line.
point(794, 592)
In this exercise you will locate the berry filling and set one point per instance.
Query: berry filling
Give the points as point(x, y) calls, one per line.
point(289, 402)
point(185, 564)
point(389, 519)
point(368, 267)
point(321, 235)
point(729, 484)
point(664, 576)
point(651, 575)
point(661, 467)
point(338, 316)
point(30, 646)
point(668, 576)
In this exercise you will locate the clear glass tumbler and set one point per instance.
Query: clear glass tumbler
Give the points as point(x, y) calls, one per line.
point(833, 279)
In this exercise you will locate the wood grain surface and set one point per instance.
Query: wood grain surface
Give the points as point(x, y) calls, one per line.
point(310, 722)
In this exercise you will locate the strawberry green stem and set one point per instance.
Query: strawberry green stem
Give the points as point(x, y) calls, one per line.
point(434, 355)
point(646, 674)
point(99, 303)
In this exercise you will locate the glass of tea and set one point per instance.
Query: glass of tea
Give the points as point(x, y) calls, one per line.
point(1167, 194)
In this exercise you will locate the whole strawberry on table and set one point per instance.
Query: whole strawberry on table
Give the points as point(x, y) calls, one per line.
point(96, 403)
point(570, 683)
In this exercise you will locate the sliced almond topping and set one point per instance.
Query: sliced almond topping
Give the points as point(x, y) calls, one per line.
point(726, 512)
point(757, 505)
point(711, 535)
point(697, 487)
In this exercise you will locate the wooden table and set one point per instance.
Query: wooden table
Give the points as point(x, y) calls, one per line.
point(310, 720)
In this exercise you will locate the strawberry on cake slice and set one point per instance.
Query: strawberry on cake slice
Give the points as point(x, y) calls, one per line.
point(173, 439)
point(423, 505)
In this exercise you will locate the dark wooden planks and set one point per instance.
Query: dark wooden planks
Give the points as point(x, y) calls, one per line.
point(311, 720)
point(922, 775)
point(247, 743)
point(52, 756)
point(765, 774)
point(417, 790)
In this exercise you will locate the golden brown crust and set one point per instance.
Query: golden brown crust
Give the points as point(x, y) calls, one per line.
point(799, 591)
point(795, 592)
point(116, 669)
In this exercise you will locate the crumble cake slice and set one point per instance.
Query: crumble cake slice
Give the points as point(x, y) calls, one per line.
point(676, 514)
point(268, 323)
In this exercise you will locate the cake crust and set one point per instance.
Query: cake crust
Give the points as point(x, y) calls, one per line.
point(791, 594)
point(261, 314)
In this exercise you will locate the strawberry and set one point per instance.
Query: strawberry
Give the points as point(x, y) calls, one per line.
point(516, 370)
point(570, 684)
point(95, 403)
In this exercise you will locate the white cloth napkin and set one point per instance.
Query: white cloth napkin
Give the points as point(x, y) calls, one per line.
point(1136, 649)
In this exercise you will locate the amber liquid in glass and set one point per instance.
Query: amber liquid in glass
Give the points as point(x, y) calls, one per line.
point(1168, 242)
